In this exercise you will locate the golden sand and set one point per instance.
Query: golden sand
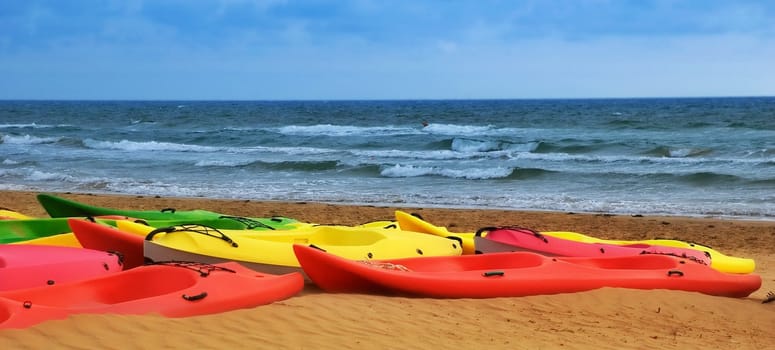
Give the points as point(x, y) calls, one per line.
point(601, 319)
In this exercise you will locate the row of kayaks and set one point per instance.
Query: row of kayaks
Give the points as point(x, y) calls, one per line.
point(89, 259)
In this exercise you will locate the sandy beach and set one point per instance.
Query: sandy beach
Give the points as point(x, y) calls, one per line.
point(601, 319)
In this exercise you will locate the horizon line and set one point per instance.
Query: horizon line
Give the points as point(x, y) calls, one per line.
point(374, 99)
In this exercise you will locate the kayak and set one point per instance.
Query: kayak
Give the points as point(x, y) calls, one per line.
point(99, 236)
point(58, 207)
point(27, 230)
point(719, 261)
point(413, 222)
point(129, 242)
point(515, 274)
point(60, 240)
point(8, 214)
point(174, 289)
point(272, 251)
point(26, 266)
point(506, 239)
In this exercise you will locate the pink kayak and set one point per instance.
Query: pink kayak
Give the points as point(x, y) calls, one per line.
point(505, 239)
point(26, 266)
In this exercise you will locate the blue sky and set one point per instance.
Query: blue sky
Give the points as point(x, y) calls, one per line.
point(368, 49)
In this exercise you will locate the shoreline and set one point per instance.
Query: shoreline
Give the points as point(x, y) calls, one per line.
point(707, 231)
point(600, 319)
point(410, 206)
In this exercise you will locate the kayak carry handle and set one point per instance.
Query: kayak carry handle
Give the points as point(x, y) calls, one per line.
point(200, 229)
point(119, 256)
point(456, 238)
point(170, 210)
point(493, 273)
point(199, 296)
point(168, 229)
point(248, 222)
point(675, 272)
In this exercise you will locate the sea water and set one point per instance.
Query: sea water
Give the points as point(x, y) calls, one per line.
point(683, 156)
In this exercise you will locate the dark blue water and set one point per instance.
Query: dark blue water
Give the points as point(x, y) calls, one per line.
point(700, 156)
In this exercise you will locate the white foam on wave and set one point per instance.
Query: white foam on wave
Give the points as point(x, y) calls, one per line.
point(37, 175)
point(454, 129)
point(28, 139)
point(31, 125)
point(125, 145)
point(423, 155)
point(221, 163)
point(686, 152)
point(345, 130)
point(467, 145)
point(467, 173)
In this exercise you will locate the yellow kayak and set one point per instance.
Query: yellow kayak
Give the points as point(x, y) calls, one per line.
point(409, 222)
point(68, 239)
point(272, 251)
point(8, 214)
point(63, 240)
point(719, 261)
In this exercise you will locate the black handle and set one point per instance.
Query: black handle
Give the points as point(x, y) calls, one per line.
point(675, 272)
point(493, 273)
point(150, 235)
point(199, 296)
point(171, 210)
point(456, 238)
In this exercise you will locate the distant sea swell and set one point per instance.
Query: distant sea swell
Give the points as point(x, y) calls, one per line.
point(659, 156)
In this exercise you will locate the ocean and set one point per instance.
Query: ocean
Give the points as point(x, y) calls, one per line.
point(683, 156)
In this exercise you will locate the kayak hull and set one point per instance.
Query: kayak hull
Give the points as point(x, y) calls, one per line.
point(171, 290)
point(28, 266)
point(516, 274)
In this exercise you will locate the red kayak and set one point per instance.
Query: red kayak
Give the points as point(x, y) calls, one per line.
point(95, 235)
point(510, 239)
point(26, 266)
point(516, 274)
point(174, 289)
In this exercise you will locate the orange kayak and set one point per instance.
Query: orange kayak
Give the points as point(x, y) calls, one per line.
point(515, 274)
point(173, 289)
point(95, 235)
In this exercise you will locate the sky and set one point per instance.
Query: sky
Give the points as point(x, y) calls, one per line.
point(389, 49)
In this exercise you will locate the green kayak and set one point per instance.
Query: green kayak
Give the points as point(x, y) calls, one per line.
point(26, 229)
point(60, 209)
